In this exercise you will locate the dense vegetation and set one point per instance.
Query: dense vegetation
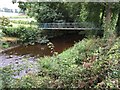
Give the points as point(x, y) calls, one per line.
point(93, 63)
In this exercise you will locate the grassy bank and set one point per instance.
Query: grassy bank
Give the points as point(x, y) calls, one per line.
point(89, 64)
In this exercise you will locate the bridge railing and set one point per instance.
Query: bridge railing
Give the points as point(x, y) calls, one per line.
point(67, 25)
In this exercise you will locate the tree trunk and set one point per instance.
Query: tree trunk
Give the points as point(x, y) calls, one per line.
point(107, 21)
point(110, 22)
point(114, 21)
point(118, 25)
point(102, 17)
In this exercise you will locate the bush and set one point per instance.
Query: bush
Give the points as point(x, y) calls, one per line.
point(4, 21)
point(26, 34)
point(94, 67)
point(6, 76)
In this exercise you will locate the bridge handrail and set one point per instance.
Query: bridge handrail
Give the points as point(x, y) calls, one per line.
point(67, 25)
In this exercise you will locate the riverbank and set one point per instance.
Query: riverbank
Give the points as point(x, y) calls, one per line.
point(89, 64)
point(16, 54)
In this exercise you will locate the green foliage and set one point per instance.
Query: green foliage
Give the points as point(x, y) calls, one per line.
point(52, 12)
point(111, 19)
point(16, 32)
point(6, 76)
point(4, 21)
point(73, 66)
point(76, 12)
point(83, 12)
point(5, 45)
point(26, 34)
point(90, 64)
point(31, 81)
point(23, 22)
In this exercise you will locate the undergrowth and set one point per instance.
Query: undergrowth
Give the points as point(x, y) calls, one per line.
point(89, 64)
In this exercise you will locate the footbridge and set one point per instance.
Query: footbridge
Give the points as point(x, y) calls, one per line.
point(68, 26)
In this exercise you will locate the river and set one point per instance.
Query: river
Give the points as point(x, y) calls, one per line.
point(23, 55)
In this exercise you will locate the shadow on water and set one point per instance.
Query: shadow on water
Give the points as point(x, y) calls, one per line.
point(60, 44)
point(23, 55)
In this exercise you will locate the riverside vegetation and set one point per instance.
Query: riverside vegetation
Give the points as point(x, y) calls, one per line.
point(92, 63)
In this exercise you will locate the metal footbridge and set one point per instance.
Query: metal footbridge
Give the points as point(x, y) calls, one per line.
point(68, 26)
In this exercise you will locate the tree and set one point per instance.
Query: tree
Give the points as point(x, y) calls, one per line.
point(118, 25)
point(111, 19)
point(52, 12)
point(104, 14)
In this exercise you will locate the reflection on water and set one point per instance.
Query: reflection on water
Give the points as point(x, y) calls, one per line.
point(60, 44)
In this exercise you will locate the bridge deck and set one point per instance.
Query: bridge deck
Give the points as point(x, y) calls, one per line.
point(68, 26)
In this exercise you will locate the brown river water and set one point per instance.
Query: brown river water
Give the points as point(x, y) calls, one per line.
point(25, 55)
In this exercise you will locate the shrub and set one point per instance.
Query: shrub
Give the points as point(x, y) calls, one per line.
point(100, 65)
point(4, 21)
point(6, 76)
point(26, 34)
